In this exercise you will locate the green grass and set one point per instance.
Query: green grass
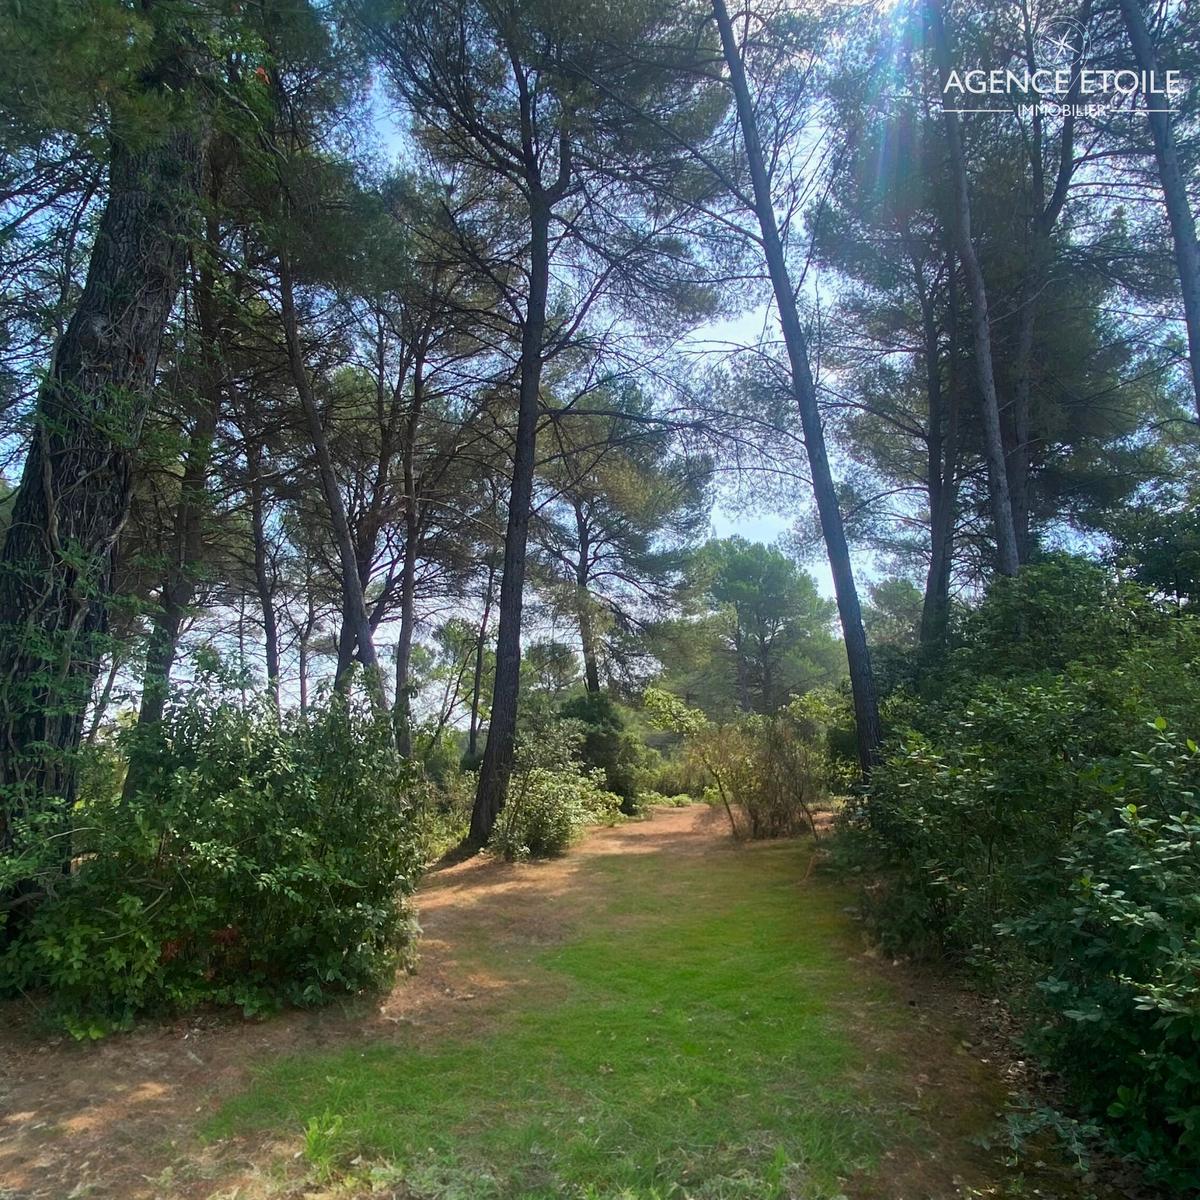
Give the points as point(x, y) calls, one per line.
point(694, 1036)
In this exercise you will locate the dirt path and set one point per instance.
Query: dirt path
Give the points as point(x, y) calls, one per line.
point(117, 1119)
point(105, 1120)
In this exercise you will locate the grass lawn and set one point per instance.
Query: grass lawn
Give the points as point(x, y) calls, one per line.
point(695, 1031)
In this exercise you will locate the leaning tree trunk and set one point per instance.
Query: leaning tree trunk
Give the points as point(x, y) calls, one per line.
point(1007, 557)
point(500, 749)
point(1175, 195)
point(56, 570)
point(862, 683)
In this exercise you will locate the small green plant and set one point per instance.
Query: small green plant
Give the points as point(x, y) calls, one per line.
point(323, 1142)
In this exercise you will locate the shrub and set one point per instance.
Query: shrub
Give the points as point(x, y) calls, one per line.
point(608, 745)
point(767, 773)
point(676, 774)
point(265, 861)
point(552, 797)
point(442, 812)
point(1037, 820)
point(1119, 946)
point(651, 799)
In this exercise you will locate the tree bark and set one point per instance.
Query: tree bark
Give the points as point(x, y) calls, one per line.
point(1007, 557)
point(587, 632)
point(943, 466)
point(480, 649)
point(1174, 185)
point(862, 683)
point(500, 750)
point(56, 570)
point(359, 625)
point(408, 572)
point(263, 584)
point(178, 588)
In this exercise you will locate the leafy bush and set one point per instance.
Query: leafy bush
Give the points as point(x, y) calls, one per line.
point(609, 745)
point(552, 797)
point(676, 773)
point(265, 861)
point(1119, 945)
point(651, 799)
point(442, 811)
point(1037, 820)
point(768, 772)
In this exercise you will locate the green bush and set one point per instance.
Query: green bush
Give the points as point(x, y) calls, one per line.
point(266, 861)
point(652, 799)
point(1118, 942)
point(552, 797)
point(676, 773)
point(1037, 820)
point(442, 811)
point(767, 772)
point(609, 745)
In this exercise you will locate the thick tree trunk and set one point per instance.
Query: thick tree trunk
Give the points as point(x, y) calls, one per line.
point(862, 683)
point(1174, 185)
point(357, 623)
point(57, 564)
point(1007, 557)
point(499, 752)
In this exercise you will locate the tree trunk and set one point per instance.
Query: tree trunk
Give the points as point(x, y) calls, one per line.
point(943, 499)
point(741, 668)
point(480, 649)
point(408, 621)
point(408, 574)
point(263, 583)
point(305, 637)
point(1007, 558)
point(1018, 457)
point(187, 536)
point(587, 632)
point(357, 623)
point(1175, 195)
point(862, 683)
point(56, 570)
point(499, 752)
point(102, 701)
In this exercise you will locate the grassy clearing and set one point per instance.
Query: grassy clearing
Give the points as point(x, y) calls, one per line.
point(691, 1036)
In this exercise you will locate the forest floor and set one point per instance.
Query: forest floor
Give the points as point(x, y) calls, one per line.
point(661, 1014)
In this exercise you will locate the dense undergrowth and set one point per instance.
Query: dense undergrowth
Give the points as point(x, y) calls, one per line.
point(266, 859)
point(1037, 820)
